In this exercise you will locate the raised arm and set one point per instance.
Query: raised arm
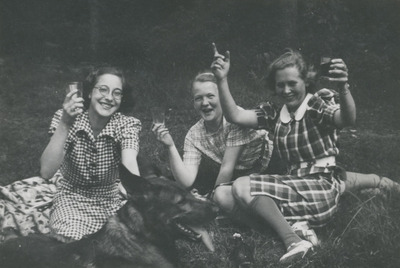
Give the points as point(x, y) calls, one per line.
point(53, 154)
point(346, 116)
point(183, 174)
point(220, 67)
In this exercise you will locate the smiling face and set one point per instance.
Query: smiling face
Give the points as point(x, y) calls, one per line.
point(206, 101)
point(290, 87)
point(105, 106)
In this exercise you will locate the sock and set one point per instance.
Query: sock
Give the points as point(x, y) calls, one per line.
point(268, 210)
point(246, 217)
point(359, 181)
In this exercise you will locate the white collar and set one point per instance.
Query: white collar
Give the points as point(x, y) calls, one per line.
point(298, 115)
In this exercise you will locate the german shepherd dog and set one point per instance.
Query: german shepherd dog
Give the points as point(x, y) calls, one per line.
point(141, 234)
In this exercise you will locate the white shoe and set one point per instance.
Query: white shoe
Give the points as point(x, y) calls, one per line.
point(296, 251)
point(388, 185)
point(302, 229)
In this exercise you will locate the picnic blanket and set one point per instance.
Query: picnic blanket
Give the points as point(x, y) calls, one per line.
point(25, 205)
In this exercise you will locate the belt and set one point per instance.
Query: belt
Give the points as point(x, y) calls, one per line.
point(329, 161)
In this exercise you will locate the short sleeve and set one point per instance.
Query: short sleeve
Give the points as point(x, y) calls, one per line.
point(130, 134)
point(266, 115)
point(322, 107)
point(191, 155)
point(238, 136)
point(55, 121)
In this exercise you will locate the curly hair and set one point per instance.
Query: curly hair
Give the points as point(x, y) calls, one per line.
point(291, 58)
point(127, 101)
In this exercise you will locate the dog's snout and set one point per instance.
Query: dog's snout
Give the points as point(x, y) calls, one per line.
point(215, 209)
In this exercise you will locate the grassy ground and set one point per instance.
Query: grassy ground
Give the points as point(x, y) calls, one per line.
point(365, 232)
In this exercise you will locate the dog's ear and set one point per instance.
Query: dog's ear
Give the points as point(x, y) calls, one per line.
point(131, 182)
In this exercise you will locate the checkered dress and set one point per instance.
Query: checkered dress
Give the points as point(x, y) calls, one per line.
point(309, 193)
point(88, 192)
point(199, 143)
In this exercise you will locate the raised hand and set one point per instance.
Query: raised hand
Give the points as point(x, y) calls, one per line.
point(221, 63)
point(338, 71)
point(72, 106)
point(162, 134)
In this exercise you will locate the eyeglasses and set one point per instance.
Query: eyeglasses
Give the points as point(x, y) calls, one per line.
point(105, 91)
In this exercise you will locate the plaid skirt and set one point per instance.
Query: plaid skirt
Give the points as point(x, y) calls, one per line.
point(312, 197)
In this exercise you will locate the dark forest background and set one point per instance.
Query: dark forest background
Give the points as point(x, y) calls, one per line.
point(162, 44)
point(172, 38)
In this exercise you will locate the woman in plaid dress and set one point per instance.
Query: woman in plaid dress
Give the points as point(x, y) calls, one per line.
point(304, 135)
point(89, 139)
point(215, 151)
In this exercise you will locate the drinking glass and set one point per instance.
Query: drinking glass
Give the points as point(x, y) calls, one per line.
point(325, 65)
point(75, 86)
point(158, 115)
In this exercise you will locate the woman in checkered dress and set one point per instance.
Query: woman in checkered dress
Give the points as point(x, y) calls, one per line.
point(215, 151)
point(89, 139)
point(304, 135)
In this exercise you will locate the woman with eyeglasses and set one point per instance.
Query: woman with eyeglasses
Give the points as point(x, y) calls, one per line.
point(90, 137)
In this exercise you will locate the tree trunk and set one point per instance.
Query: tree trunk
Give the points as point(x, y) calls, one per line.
point(288, 22)
point(94, 27)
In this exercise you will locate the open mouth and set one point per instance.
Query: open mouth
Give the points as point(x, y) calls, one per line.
point(196, 233)
point(187, 231)
point(207, 111)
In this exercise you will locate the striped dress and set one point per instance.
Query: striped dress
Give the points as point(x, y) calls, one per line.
point(306, 192)
point(88, 193)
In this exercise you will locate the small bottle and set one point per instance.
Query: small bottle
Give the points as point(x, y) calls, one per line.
point(242, 254)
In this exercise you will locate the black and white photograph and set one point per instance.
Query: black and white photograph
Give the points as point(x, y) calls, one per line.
point(199, 133)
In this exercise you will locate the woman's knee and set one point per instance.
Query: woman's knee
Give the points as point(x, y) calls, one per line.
point(241, 189)
point(223, 197)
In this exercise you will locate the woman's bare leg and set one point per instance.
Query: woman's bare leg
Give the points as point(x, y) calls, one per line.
point(266, 208)
point(224, 198)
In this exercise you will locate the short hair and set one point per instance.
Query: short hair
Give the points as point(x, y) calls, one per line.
point(127, 101)
point(204, 76)
point(290, 58)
